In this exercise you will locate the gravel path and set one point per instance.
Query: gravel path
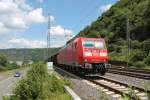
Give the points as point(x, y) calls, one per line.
point(130, 80)
point(82, 89)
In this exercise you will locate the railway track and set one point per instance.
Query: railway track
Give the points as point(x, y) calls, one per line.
point(132, 72)
point(135, 93)
point(114, 87)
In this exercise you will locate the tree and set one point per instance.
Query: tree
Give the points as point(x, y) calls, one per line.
point(3, 60)
point(147, 59)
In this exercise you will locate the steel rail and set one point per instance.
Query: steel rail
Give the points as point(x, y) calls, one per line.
point(125, 84)
point(146, 71)
point(117, 91)
point(130, 73)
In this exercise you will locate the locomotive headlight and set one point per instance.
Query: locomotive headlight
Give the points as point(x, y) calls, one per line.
point(87, 54)
point(85, 60)
point(103, 54)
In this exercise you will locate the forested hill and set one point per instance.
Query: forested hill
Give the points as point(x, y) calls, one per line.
point(34, 54)
point(112, 25)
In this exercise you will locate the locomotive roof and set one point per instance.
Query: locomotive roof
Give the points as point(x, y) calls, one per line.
point(82, 38)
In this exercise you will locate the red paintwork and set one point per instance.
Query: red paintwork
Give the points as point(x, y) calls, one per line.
point(74, 52)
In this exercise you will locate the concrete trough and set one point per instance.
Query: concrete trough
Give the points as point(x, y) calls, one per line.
point(73, 95)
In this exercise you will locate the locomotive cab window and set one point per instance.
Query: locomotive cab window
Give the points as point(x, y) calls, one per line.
point(93, 44)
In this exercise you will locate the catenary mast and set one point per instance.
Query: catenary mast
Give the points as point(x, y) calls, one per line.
point(48, 36)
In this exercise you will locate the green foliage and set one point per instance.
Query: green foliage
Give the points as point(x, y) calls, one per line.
point(135, 44)
point(39, 85)
point(94, 34)
point(139, 64)
point(67, 82)
point(3, 60)
point(131, 92)
point(103, 95)
point(137, 55)
point(11, 66)
point(146, 46)
point(147, 60)
point(5, 65)
point(146, 85)
point(35, 54)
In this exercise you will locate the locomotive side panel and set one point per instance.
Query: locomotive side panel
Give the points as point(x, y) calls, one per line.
point(68, 55)
point(85, 54)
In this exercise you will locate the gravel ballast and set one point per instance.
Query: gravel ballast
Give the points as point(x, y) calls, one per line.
point(85, 91)
point(82, 89)
point(142, 83)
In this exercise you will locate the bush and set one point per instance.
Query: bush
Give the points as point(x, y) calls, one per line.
point(147, 60)
point(137, 55)
point(135, 44)
point(3, 60)
point(12, 66)
point(139, 64)
point(5, 65)
point(146, 45)
point(39, 85)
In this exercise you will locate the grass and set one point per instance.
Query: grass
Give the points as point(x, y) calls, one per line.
point(113, 56)
point(104, 96)
point(64, 78)
point(133, 94)
point(9, 72)
point(63, 96)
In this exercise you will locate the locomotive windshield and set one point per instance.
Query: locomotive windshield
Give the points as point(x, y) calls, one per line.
point(93, 44)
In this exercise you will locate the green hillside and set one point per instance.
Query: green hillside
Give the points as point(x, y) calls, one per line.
point(112, 25)
point(26, 54)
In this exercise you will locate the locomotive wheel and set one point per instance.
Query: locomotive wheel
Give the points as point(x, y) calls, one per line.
point(103, 70)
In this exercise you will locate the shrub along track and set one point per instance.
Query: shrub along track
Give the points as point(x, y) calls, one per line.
point(114, 87)
point(132, 72)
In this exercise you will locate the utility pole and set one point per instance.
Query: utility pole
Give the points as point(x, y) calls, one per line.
point(48, 36)
point(128, 41)
point(49, 63)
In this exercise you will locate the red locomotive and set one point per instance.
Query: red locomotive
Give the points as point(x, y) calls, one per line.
point(88, 55)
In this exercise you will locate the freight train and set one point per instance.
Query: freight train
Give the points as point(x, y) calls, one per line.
point(83, 55)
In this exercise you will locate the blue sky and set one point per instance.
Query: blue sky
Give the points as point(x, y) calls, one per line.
point(28, 26)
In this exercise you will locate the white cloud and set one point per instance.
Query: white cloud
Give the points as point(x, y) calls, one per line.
point(7, 7)
point(17, 15)
point(51, 18)
point(15, 22)
point(22, 5)
point(36, 16)
point(60, 35)
point(60, 31)
point(105, 7)
point(40, 1)
point(3, 29)
point(22, 42)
